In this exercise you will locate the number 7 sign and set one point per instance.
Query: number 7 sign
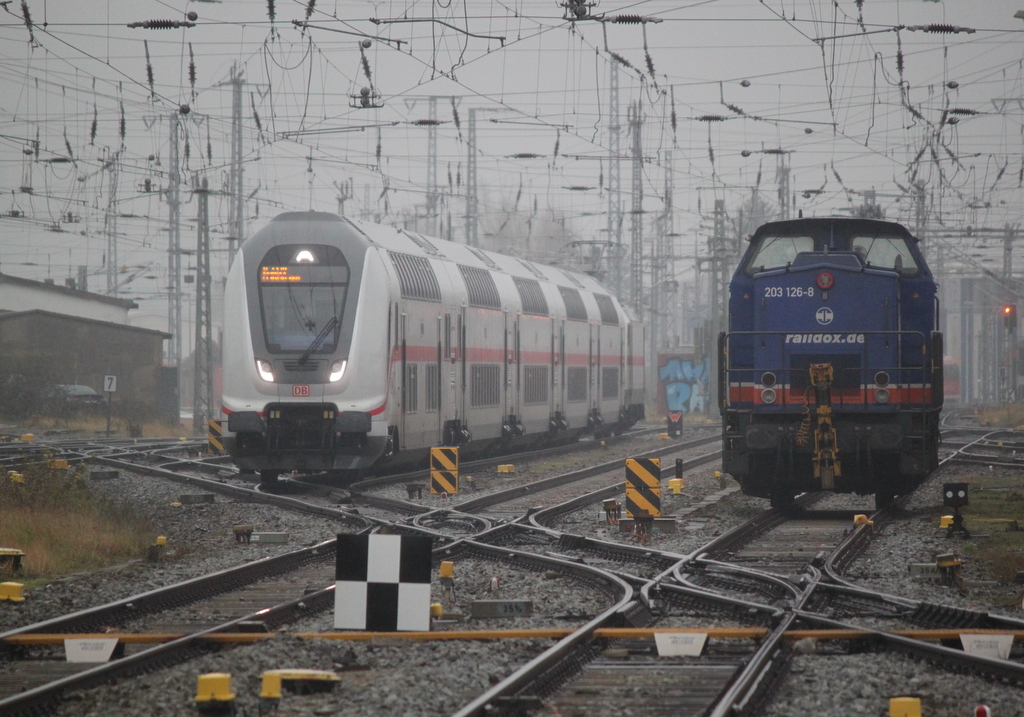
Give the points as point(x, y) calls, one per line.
point(110, 384)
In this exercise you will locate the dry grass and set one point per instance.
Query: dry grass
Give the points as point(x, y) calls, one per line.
point(996, 501)
point(64, 527)
point(1011, 415)
point(98, 424)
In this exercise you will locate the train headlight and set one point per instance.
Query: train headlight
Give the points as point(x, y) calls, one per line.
point(882, 396)
point(768, 395)
point(265, 370)
point(768, 379)
point(882, 379)
point(337, 371)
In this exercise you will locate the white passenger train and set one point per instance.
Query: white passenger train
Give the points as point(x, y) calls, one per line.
point(348, 344)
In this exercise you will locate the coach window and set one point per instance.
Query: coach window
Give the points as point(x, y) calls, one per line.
point(777, 252)
point(302, 295)
point(885, 253)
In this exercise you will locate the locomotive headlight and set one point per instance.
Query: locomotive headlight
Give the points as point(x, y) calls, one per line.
point(768, 379)
point(882, 379)
point(882, 396)
point(265, 370)
point(768, 395)
point(337, 371)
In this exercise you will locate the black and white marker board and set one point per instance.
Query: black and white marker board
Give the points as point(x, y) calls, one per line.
point(382, 583)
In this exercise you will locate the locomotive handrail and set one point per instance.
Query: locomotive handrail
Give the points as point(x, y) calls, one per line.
point(844, 392)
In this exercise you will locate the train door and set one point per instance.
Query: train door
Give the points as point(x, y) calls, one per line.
point(558, 366)
point(593, 384)
point(435, 375)
point(404, 379)
point(512, 356)
point(460, 380)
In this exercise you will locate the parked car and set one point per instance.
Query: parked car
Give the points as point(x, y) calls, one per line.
point(77, 395)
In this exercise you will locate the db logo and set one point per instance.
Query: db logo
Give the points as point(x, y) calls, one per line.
point(300, 390)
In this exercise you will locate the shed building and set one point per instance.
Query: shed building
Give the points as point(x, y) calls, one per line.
point(40, 349)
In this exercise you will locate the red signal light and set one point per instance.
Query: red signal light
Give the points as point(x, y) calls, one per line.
point(825, 280)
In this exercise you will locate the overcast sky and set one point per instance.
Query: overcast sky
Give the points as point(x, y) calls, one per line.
point(855, 103)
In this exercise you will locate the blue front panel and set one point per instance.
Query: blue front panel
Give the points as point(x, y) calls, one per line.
point(848, 325)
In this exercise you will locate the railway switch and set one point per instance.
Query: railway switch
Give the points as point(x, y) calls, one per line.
point(299, 681)
point(612, 511)
point(676, 485)
point(155, 551)
point(11, 592)
point(214, 695)
point(415, 490)
point(955, 496)
point(861, 519)
point(243, 533)
point(905, 707)
point(446, 577)
point(11, 557)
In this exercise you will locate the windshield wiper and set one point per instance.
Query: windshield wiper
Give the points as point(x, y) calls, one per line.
point(318, 339)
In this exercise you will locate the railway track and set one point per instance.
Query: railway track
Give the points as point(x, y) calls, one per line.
point(754, 589)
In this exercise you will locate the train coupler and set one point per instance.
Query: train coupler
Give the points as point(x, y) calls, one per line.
point(826, 453)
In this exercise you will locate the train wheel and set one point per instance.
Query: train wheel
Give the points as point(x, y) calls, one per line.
point(884, 499)
point(269, 478)
point(781, 498)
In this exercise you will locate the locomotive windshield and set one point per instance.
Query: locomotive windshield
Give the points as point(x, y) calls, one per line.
point(776, 252)
point(885, 253)
point(877, 252)
point(302, 294)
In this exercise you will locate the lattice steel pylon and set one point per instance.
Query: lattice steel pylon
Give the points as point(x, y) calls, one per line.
point(472, 200)
point(110, 223)
point(174, 248)
point(432, 194)
point(636, 223)
point(202, 395)
point(236, 207)
point(614, 179)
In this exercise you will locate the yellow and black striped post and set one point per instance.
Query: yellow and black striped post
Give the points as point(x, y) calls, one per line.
point(214, 436)
point(444, 470)
point(643, 486)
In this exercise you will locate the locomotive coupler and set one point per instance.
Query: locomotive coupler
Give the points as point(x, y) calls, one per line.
point(826, 452)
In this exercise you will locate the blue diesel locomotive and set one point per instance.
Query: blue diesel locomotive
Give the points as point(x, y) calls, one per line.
point(830, 376)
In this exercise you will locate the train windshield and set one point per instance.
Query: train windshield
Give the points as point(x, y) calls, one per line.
point(885, 253)
point(776, 252)
point(878, 252)
point(302, 296)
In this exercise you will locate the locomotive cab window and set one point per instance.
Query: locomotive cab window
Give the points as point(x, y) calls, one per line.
point(775, 252)
point(884, 253)
point(302, 296)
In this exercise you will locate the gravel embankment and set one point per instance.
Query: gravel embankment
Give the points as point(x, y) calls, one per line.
point(863, 684)
point(414, 679)
point(199, 541)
